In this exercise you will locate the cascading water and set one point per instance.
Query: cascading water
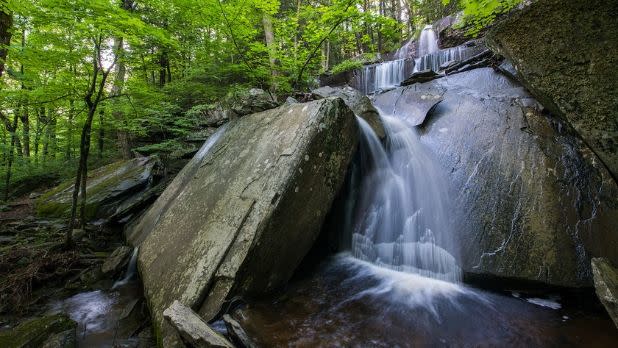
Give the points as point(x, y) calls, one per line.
point(384, 75)
point(400, 215)
point(428, 42)
point(432, 58)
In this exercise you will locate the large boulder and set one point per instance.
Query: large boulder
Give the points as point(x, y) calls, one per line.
point(245, 211)
point(606, 286)
point(119, 186)
point(357, 102)
point(535, 203)
point(564, 52)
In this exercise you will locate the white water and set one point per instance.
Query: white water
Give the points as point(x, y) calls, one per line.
point(428, 42)
point(383, 76)
point(401, 219)
point(131, 270)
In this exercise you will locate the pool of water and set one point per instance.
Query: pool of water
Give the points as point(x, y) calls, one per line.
point(110, 318)
point(347, 302)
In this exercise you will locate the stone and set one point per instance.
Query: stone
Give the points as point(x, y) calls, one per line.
point(35, 332)
point(532, 201)
point(107, 188)
point(193, 329)
point(606, 286)
point(422, 76)
point(64, 339)
point(567, 65)
point(413, 106)
point(359, 103)
point(226, 223)
point(237, 333)
point(255, 100)
point(117, 261)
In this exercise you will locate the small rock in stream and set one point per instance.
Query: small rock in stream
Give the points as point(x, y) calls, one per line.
point(237, 333)
point(192, 328)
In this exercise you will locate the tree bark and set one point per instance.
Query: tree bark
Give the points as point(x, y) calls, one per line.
point(10, 160)
point(6, 22)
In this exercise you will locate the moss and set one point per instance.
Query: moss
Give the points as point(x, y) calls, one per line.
point(57, 201)
point(34, 333)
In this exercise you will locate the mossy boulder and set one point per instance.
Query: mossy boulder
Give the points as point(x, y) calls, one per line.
point(107, 188)
point(35, 332)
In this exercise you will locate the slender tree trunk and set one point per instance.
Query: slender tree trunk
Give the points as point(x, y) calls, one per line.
point(124, 140)
point(69, 145)
point(9, 165)
point(92, 100)
point(25, 121)
point(101, 133)
point(269, 36)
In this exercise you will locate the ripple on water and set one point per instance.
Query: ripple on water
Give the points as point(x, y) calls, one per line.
point(348, 302)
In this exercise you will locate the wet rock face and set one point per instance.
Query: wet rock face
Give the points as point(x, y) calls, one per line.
point(112, 191)
point(244, 213)
point(567, 65)
point(357, 102)
point(533, 201)
point(606, 286)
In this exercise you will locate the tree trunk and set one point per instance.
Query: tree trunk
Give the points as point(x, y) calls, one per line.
point(269, 36)
point(69, 145)
point(10, 160)
point(6, 22)
point(101, 133)
point(124, 140)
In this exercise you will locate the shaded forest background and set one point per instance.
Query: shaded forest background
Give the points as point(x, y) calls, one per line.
point(83, 83)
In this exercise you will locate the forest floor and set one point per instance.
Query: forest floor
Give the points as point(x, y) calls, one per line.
point(34, 265)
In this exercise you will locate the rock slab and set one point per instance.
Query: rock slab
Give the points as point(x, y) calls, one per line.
point(193, 329)
point(244, 212)
point(359, 103)
point(109, 188)
point(606, 286)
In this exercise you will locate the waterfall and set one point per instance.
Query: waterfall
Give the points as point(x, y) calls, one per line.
point(384, 75)
point(428, 42)
point(436, 60)
point(403, 51)
point(400, 218)
point(131, 270)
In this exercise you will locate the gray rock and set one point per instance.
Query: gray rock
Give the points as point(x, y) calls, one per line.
point(107, 187)
point(237, 333)
point(359, 103)
point(606, 286)
point(534, 201)
point(117, 261)
point(568, 64)
point(414, 104)
point(193, 329)
point(423, 76)
point(225, 225)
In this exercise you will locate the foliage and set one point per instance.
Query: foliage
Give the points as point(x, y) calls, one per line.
point(478, 14)
point(347, 65)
